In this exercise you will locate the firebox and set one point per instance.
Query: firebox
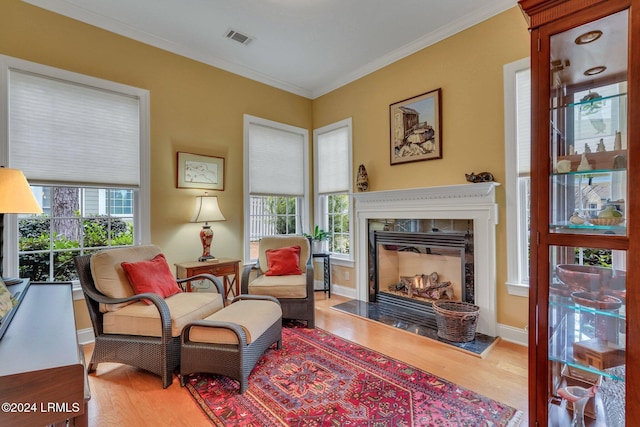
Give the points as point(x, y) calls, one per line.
point(411, 269)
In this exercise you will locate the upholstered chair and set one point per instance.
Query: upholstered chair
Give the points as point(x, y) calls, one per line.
point(139, 325)
point(285, 271)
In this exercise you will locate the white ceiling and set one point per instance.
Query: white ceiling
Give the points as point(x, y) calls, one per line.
point(307, 47)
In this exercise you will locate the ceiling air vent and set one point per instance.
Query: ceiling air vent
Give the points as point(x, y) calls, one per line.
point(239, 37)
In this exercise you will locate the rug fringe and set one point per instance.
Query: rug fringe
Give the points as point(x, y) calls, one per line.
point(516, 420)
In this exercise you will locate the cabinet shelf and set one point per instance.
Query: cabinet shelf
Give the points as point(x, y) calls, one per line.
point(569, 360)
point(570, 306)
point(590, 173)
point(612, 229)
point(580, 104)
point(561, 348)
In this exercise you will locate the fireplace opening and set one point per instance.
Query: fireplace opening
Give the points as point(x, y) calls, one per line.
point(412, 268)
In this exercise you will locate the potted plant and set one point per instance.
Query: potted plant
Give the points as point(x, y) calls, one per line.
point(318, 239)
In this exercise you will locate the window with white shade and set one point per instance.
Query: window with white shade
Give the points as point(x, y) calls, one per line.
point(276, 167)
point(517, 93)
point(333, 186)
point(82, 143)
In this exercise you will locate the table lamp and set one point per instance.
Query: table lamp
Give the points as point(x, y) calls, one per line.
point(16, 197)
point(206, 210)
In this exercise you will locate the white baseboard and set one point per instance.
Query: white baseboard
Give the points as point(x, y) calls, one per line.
point(85, 336)
point(514, 335)
point(344, 291)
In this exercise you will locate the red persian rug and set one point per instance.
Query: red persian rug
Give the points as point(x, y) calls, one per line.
point(319, 379)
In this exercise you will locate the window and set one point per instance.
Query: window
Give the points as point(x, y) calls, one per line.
point(276, 167)
point(517, 116)
point(83, 145)
point(74, 224)
point(119, 202)
point(332, 184)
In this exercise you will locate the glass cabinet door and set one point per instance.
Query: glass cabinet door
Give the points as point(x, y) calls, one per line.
point(587, 193)
point(588, 133)
point(587, 337)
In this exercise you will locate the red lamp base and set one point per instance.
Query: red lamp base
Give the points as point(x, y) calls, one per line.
point(206, 237)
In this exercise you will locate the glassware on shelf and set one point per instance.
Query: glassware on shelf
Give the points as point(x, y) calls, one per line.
point(579, 396)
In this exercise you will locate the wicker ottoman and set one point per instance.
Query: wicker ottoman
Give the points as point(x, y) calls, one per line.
point(230, 341)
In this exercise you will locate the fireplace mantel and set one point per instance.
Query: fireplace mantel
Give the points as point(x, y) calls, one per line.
point(467, 201)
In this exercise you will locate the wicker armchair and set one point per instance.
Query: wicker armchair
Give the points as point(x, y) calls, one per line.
point(295, 292)
point(157, 348)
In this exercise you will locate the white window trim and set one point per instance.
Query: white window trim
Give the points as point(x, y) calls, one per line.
point(306, 207)
point(515, 285)
point(320, 208)
point(142, 225)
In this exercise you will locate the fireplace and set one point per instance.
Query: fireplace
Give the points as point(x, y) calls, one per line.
point(448, 230)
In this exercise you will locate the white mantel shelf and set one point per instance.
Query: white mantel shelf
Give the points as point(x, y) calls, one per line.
point(466, 201)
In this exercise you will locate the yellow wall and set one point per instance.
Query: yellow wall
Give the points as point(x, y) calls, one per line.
point(197, 108)
point(468, 67)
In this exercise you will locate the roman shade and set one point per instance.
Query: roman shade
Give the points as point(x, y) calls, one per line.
point(74, 134)
point(276, 161)
point(333, 161)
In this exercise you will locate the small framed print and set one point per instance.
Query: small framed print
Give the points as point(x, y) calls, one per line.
point(197, 171)
point(416, 128)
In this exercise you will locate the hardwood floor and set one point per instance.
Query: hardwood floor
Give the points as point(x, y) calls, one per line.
point(125, 396)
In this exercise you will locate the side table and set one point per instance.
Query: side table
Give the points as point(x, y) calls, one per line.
point(326, 258)
point(228, 269)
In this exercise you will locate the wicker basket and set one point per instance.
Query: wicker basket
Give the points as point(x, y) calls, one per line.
point(606, 221)
point(456, 320)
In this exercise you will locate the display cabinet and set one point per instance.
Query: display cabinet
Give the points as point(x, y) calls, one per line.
point(585, 64)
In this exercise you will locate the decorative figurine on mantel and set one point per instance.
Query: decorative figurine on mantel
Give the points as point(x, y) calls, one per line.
point(587, 149)
point(601, 148)
point(480, 177)
point(572, 150)
point(362, 180)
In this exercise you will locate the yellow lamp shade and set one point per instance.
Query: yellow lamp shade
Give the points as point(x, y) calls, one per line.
point(15, 194)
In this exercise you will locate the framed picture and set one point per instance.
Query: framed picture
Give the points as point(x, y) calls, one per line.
point(196, 171)
point(416, 128)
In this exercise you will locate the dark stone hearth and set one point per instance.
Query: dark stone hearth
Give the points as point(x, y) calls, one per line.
point(411, 321)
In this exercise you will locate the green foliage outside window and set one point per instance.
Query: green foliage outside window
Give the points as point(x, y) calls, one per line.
point(281, 212)
point(597, 257)
point(38, 245)
point(338, 223)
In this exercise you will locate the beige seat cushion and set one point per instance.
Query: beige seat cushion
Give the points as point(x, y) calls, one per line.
point(255, 317)
point(109, 276)
point(294, 286)
point(142, 319)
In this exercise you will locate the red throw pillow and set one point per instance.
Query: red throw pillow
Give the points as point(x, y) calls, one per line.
point(151, 276)
point(283, 261)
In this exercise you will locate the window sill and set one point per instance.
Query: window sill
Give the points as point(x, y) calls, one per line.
point(518, 289)
point(343, 262)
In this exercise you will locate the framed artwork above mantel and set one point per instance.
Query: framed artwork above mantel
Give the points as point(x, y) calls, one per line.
point(416, 128)
point(198, 171)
